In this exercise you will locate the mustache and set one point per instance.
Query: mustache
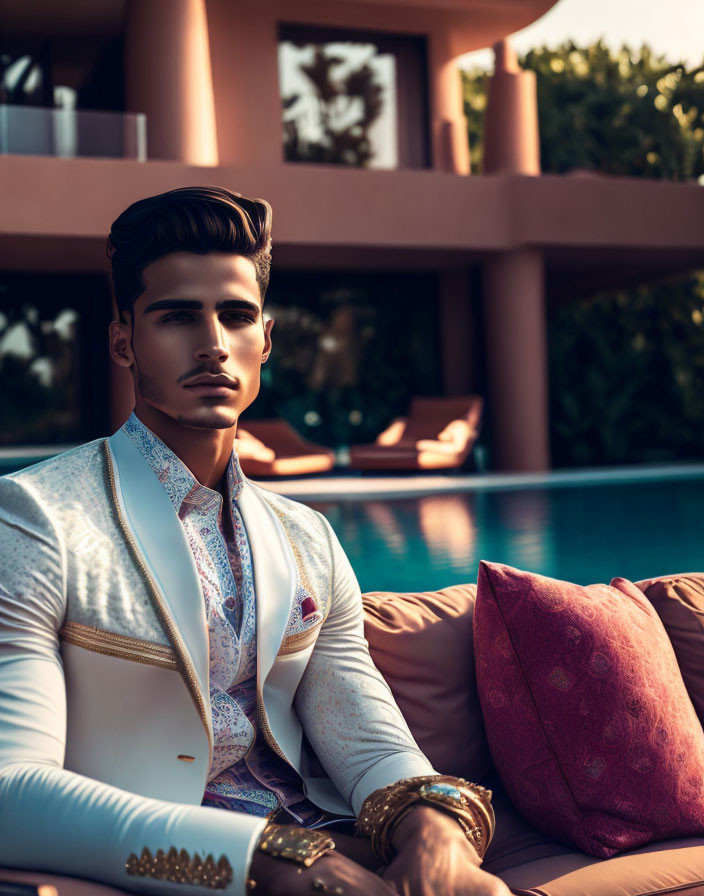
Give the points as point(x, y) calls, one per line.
point(203, 369)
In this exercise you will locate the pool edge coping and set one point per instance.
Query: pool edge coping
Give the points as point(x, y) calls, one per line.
point(352, 488)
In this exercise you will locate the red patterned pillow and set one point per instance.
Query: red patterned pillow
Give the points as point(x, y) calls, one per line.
point(587, 717)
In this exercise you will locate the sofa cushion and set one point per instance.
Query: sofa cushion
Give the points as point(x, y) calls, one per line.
point(660, 869)
point(532, 863)
point(516, 842)
point(422, 645)
point(586, 713)
point(679, 601)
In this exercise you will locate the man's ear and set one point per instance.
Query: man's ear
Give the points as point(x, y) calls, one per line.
point(268, 326)
point(120, 343)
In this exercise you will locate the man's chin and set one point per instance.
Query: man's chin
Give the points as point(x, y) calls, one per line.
point(210, 419)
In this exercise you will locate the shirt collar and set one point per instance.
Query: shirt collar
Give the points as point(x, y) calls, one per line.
point(178, 481)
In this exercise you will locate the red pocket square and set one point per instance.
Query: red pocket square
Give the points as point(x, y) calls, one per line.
point(309, 608)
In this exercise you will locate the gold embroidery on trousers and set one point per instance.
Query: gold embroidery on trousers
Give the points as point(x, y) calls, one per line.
point(120, 646)
point(181, 868)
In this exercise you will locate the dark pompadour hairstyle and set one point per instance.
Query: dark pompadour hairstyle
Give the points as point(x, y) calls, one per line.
point(191, 219)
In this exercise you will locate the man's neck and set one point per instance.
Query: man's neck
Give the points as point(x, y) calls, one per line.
point(206, 452)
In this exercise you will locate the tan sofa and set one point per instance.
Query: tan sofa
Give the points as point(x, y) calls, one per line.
point(422, 643)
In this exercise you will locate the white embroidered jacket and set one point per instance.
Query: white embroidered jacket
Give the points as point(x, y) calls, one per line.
point(105, 728)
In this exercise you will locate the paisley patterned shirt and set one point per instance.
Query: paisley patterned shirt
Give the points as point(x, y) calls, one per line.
point(262, 782)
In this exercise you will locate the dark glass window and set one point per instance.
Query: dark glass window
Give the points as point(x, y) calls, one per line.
point(59, 96)
point(349, 352)
point(62, 72)
point(53, 358)
point(353, 97)
point(25, 74)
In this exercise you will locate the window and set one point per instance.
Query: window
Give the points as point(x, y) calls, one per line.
point(353, 97)
point(350, 350)
point(53, 358)
point(62, 72)
point(25, 77)
point(64, 96)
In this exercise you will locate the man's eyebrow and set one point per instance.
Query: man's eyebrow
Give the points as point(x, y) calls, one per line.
point(197, 305)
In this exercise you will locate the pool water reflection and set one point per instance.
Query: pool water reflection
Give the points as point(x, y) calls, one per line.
point(581, 533)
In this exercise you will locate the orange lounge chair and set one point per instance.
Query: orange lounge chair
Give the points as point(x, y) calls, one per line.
point(438, 434)
point(273, 448)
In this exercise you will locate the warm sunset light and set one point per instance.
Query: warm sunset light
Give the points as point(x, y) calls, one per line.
point(351, 447)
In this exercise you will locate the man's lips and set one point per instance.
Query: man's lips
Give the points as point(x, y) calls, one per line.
point(212, 389)
point(219, 385)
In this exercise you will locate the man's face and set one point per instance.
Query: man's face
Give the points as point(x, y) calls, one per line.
point(200, 317)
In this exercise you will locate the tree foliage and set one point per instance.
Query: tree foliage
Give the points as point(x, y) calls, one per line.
point(626, 367)
point(625, 113)
point(627, 375)
point(628, 112)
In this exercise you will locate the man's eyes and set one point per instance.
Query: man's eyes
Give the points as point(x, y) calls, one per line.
point(176, 315)
point(227, 316)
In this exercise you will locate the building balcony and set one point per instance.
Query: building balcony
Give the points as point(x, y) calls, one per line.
point(69, 133)
point(594, 231)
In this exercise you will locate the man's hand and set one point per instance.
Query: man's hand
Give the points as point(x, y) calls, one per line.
point(333, 873)
point(434, 857)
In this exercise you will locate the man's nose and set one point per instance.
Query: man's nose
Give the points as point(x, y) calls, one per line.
point(212, 342)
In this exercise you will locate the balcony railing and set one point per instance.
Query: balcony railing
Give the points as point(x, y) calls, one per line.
point(31, 130)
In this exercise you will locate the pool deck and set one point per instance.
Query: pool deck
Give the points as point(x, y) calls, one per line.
point(363, 487)
point(348, 485)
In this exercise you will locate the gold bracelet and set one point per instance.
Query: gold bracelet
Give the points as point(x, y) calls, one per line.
point(469, 804)
point(287, 841)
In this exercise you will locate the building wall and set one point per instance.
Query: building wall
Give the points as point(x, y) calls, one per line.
point(206, 75)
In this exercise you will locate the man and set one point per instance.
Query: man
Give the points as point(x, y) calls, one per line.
point(180, 650)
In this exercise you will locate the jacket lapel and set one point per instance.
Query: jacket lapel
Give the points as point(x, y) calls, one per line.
point(274, 576)
point(162, 544)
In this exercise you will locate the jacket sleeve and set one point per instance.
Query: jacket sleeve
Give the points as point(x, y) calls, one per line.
point(52, 819)
point(346, 708)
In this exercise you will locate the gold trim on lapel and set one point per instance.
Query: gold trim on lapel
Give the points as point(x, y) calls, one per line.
point(275, 585)
point(120, 646)
point(299, 641)
point(183, 658)
point(300, 565)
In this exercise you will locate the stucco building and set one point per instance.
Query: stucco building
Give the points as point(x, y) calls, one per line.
point(210, 91)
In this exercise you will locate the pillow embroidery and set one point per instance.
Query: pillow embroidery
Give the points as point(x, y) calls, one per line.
point(587, 717)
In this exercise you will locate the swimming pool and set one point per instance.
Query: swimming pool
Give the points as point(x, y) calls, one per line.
point(581, 533)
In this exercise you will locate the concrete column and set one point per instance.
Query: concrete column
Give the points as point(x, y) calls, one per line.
point(516, 349)
point(511, 136)
point(168, 76)
point(457, 335)
point(450, 140)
